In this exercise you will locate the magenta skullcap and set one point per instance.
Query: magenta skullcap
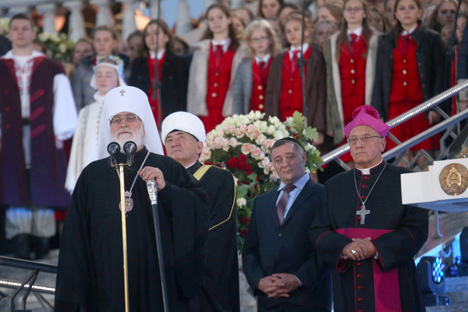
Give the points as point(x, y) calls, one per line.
point(366, 115)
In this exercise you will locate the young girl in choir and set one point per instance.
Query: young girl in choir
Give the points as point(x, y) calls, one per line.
point(350, 55)
point(269, 8)
point(252, 75)
point(213, 66)
point(443, 14)
point(171, 96)
point(104, 44)
point(284, 89)
point(409, 70)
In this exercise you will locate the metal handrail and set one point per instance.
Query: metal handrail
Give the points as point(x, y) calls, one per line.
point(28, 284)
point(429, 104)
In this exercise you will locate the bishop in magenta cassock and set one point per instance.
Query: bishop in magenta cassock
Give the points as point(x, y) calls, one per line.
point(365, 232)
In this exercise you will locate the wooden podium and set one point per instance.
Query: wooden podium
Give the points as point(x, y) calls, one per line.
point(442, 188)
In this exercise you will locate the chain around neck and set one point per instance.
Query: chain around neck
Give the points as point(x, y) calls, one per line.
point(357, 190)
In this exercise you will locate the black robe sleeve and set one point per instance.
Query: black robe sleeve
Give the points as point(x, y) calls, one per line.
point(326, 241)
point(400, 246)
point(188, 205)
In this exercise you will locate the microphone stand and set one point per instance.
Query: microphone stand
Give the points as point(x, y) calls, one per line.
point(124, 225)
point(301, 63)
point(156, 83)
point(153, 195)
point(452, 57)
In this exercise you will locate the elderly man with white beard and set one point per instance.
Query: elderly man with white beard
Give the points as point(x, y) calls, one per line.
point(90, 273)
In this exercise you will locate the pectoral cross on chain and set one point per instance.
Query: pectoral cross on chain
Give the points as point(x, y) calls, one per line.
point(362, 213)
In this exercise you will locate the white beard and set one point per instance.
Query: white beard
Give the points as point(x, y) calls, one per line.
point(135, 136)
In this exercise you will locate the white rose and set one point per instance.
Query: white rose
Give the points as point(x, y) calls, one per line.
point(205, 154)
point(246, 149)
point(270, 130)
point(260, 139)
point(233, 142)
point(259, 115)
point(43, 36)
point(241, 202)
point(62, 48)
point(278, 135)
point(265, 164)
point(225, 144)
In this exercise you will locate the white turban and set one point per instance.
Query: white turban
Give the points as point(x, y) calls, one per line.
point(183, 121)
point(132, 100)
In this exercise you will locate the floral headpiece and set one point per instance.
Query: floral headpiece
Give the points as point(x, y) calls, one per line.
point(110, 59)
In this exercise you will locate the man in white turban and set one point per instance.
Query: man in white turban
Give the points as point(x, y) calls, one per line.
point(183, 135)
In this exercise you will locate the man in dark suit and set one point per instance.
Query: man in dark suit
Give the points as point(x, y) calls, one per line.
point(280, 263)
point(5, 45)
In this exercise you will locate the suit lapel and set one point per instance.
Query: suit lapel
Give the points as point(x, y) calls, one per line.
point(307, 191)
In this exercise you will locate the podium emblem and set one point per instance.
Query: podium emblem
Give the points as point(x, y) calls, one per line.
point(454, 179)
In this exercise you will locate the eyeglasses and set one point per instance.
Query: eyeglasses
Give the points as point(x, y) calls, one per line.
point(365, 138)
point(117, 119)
point(350, 9)
point(257, 40)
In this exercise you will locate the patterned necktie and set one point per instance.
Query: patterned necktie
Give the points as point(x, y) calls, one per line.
point(294, 61)
point(406, 43)
point(261, 67)
point(281, 207)
point(219, 54)
point(353, 41)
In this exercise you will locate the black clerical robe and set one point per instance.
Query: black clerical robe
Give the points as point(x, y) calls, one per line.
point(220, 287)
point(90, 270)
point(390, 282)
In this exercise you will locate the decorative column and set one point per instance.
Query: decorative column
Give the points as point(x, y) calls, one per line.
point(183, 18)
point(104, 15)
point(49, 20)
point(128, 22)
point(208, 3)
point(76, 27)
point(235, 4)
point(154, 9)
point(15, 9)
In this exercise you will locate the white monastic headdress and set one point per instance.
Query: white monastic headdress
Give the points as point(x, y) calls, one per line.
point(132, 100)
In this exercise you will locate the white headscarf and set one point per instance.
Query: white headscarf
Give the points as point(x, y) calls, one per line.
point(132, 100)
point(183, 121)
point(93, 84)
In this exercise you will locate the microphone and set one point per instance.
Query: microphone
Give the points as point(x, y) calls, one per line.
point(130, 147)
point(113, 148)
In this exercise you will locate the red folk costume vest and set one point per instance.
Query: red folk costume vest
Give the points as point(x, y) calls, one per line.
point(48, 164)
point(291, 87)
point(219, 78)
point(406, 93)
point(155, 102)
point(353, 77)
point(259, 83)
point(352, 68)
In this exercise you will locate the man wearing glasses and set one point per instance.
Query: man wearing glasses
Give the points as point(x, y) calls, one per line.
point(90, 270)
point(365, 232)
